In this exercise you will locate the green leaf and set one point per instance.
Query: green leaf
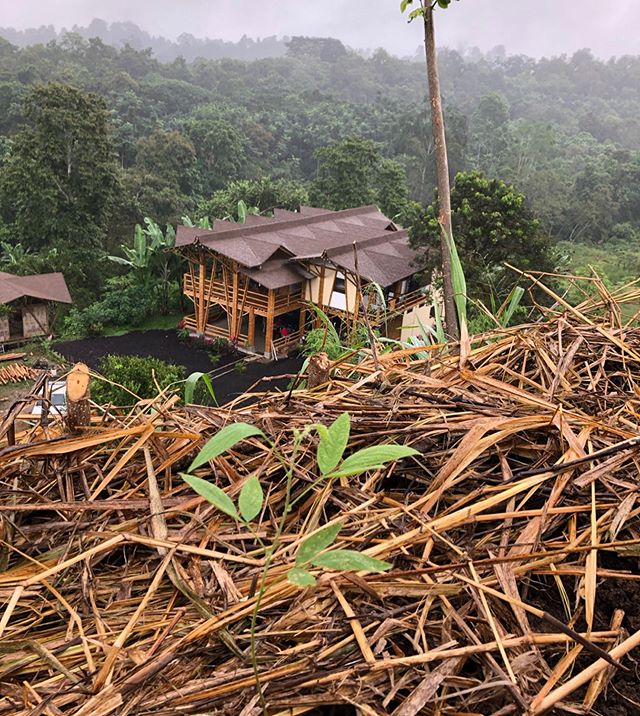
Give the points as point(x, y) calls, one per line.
point(300, 577)
point(514, 301)
point(348, 560)
point(333, 443)
point(457, 279)
point(372, 458)
point(441, 336)
point(316, 543)
point(444, 4)
point(213, 494)
point(251, 498)
point(223, 440)
point(190, 386)
point(404, 3)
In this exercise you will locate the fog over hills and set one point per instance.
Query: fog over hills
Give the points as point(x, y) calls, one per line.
point(532, 27)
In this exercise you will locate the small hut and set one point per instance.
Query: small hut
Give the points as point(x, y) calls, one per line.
point(25, 304)
point(252, 283)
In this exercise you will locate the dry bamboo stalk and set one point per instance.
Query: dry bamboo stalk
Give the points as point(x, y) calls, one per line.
point(587, 674)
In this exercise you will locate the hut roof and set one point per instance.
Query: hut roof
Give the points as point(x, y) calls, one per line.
point(45, 286)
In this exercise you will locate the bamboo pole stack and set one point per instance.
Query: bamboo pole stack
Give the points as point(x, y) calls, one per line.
point(17, 372)
point(514, 538)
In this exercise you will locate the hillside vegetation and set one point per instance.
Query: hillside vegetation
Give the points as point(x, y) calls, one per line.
point(565, 131)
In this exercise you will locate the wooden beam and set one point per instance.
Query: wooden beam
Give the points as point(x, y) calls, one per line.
point(234, 304)
point(302, 321)
point(359, 297)
point(252, 327)
point(225, 283)
point(320, 302)
point(193, 296)
point(268, 335)
point(202, 274)
point(209, 292)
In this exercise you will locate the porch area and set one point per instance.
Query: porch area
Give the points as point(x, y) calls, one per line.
point(243, 313)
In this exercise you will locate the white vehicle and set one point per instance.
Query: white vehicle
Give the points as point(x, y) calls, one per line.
point(57, 394)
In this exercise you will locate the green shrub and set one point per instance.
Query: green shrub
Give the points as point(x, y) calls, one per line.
point(319, 339)
point(125, 302)
point(137, 375)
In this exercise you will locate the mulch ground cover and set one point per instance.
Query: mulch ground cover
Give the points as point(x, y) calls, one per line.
point(165, 345)
point(511, 533)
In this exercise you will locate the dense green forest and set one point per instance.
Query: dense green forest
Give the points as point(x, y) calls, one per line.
point(94, 138)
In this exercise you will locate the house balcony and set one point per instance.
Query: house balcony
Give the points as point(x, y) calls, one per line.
point(215, 292)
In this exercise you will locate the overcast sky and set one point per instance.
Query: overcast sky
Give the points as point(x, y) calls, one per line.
point(533, 27)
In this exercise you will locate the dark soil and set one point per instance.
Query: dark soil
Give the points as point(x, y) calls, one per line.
point(228, 382)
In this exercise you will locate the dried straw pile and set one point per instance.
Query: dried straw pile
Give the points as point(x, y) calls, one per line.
point(514, 533)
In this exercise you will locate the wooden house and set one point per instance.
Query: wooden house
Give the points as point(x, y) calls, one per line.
point(252, 283)
point(25, 303)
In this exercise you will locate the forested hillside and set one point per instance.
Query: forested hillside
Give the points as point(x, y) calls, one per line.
point(325, 123)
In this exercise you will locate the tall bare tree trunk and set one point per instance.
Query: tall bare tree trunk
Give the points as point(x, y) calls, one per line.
point(442, 171)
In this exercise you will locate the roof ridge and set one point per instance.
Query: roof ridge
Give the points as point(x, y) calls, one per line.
point(388, 235)
point(280, 225)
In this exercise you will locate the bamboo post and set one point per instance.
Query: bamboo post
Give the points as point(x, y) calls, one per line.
point(302, 321)
point(320, 301)
point(252, 327)
point(268, 335)
point(192, 295)
point(202, 274)
point(234, 304)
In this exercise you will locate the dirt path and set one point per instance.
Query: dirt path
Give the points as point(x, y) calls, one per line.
point(166, 346)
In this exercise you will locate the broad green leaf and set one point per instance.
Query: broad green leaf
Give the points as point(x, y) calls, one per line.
point(348, 560)
point(444, 4)
point(190, 386)
point(316, 543)
point(223, 440)
point(404, 3)
point(372, 458)
point(300, 577)
point(213, 494)
point(333, 443)
point(416, 13)
point(251, 498)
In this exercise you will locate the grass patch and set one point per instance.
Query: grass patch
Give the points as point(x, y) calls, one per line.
point(162, 323)
point(616, 263)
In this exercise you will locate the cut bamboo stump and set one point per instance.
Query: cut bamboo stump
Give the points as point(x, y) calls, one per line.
point(318, 370)
point(78, 408)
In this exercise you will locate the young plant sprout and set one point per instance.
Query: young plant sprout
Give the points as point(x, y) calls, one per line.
point(314, 552)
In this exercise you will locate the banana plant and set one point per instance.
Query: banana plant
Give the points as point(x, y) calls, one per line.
point(150, 258)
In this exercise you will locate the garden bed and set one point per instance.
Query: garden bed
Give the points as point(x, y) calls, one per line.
point(229, 382)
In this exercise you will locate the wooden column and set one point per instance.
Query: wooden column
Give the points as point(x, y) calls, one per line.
point(251, 338)
point(201, 319)
point(320, 302)
point(268, 334)
point(234, 305)
point(301, 322)
point(359, 297)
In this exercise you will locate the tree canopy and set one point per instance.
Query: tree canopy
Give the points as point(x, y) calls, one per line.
point(60, 181)
point(492, 225)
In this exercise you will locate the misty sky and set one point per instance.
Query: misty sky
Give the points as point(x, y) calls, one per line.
point(533, 27)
